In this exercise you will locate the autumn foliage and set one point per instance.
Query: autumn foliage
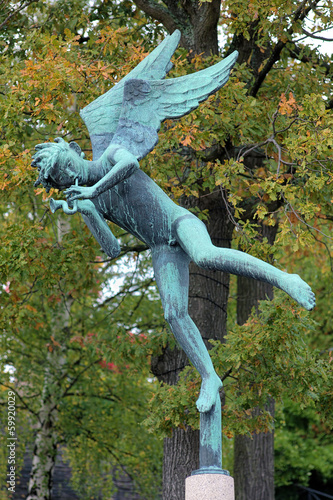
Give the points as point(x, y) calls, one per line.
point(80, 331)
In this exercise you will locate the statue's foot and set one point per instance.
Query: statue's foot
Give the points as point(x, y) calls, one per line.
point(209, 390)
point(300, 291)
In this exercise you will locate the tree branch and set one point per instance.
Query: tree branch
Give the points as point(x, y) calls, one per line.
point(297, 52)
point(76, 378)
point(312, 35)
point(125, 292)
point(124, 250)
point(299, 15)
point(21, 399)
point(158, 12)
point(288, 204)
point(12, 14)
point(113, 399)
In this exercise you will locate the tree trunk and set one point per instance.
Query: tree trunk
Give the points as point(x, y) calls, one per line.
point(208, 296)
point(181, 450)
point(46, 439)
point(254, 464)
point(208, 290)
point(254, 456)
point(197, 22)
point(45, 451)
point(181, 457)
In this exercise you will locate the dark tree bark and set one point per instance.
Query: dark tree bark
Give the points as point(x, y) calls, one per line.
point(197, 22)
point(208, 298)
point(209, 290)
point(254, 464)
point(181, 457)
point(181, 450)
point(254, 456)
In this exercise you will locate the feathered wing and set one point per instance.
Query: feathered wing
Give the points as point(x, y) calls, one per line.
point(146, 104)
point(102, 115)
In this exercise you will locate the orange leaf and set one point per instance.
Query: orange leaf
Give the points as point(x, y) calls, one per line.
point(188, 139)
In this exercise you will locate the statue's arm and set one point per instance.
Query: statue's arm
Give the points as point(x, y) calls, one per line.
point(117, 162)
point(122, 164)
point(99, 228)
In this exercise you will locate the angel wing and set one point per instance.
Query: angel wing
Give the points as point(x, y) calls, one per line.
point(146, 104)
point(102, 115)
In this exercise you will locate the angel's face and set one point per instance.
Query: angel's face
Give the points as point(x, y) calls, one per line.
point(59, 164)
point(62, 173)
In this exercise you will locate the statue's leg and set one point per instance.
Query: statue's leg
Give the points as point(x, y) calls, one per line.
point(172, 278)
point(193, 237)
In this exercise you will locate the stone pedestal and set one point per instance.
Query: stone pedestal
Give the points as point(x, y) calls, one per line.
point(209, 487)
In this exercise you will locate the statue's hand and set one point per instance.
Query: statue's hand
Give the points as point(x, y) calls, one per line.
point(80, 192)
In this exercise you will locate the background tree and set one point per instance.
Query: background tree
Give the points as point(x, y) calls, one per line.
point(260, 146)
point(79, 372)
point(254, 161)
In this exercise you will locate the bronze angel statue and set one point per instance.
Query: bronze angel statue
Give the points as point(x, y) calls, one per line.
point(123, 126)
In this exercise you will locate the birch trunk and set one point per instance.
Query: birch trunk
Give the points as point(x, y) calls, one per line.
point(45, 452)
point(46, 440)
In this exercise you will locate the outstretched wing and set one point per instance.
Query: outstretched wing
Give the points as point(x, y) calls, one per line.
point(102, 115)
point(147, 104)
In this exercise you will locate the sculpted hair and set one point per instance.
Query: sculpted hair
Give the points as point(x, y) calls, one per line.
point(55, 157)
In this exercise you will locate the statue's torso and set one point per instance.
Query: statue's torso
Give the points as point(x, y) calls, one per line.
point(141, 207)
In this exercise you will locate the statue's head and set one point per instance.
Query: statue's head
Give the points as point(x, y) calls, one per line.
point(59, 163)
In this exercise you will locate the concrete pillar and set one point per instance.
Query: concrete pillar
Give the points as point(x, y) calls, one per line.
point(209, 487)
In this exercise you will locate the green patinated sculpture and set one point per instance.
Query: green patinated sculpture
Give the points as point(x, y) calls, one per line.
point(123, 126)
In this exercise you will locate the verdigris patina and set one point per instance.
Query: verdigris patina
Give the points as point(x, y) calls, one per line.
point(123, 126)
